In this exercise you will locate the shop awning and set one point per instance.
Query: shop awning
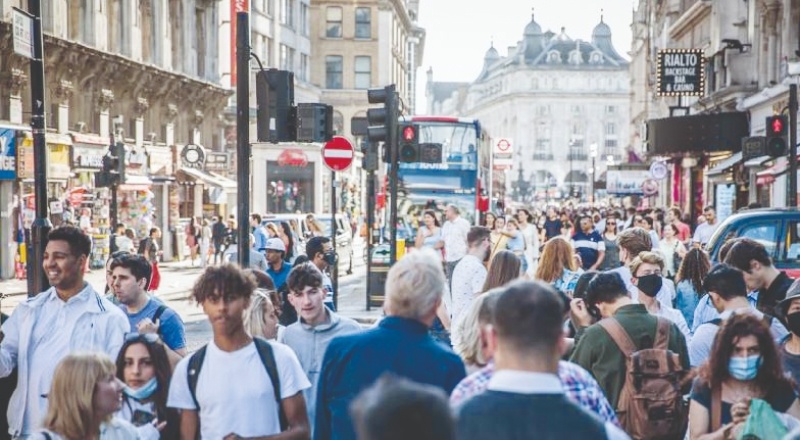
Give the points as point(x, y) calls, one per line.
point(134, 182)
point(210, 179)
point(757, 161)
point(724, 165)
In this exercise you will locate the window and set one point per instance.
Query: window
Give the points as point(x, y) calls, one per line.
point(611, 129)
point(303, 67)
point(544, 110)
point(333, 72)
point(611, 109)
point(304, 19)
point(287, 13)
point(363, 23)
point(542, 145)
point(611, 144)
point(363, 72)
point(577, 130)
point(576, 109)
point(334, 27)
point(287, 58)
point(764, 233)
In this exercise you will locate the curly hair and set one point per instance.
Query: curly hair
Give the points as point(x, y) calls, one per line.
point(770, 372)
point(556, 256)
point(694, 267)
point(227, 279)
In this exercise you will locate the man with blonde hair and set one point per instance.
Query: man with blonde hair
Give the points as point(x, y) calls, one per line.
point(647, 275)
point(399, 344)
point(632, 242)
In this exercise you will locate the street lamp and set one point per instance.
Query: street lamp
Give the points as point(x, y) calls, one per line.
point(593, 154)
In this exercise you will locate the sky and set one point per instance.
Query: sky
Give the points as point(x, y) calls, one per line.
point(458, 32)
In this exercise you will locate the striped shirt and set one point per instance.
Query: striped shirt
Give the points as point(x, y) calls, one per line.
point(588, 246)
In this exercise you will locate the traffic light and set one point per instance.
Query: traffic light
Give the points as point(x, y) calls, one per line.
point(275, 116)
point(776, 136)
point(409, 144)
point(382, 121)
point(113, 171)
point(314, 122)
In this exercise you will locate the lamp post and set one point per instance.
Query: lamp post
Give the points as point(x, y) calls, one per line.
point(593, 154)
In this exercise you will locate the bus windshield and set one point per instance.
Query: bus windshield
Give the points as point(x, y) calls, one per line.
point(458, 140)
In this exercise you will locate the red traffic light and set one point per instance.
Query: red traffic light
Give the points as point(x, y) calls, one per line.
point(409, 133)
point(777, 125)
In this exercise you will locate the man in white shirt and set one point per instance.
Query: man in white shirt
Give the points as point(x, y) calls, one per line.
point(647, 269)
point(69, 316)
point(727, 291)
point(234, 393)
point(469, 276)
point(704, 231)
point(454, 239)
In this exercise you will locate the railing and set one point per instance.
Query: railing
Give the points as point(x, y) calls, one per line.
point(577, 156)
point(542, 156)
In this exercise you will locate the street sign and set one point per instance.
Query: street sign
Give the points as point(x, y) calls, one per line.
point(754, 146)
point(337, 154)
point(680, 72)
point(23, 33)
point(503, 153)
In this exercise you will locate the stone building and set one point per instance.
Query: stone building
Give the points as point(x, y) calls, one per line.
point(750, 60)
point(554, 97)
point(144, 71)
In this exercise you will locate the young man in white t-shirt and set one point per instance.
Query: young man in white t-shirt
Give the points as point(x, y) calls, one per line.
point(234, 391)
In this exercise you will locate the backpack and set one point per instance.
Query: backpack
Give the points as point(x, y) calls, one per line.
point(267, 359)
point(651, 402)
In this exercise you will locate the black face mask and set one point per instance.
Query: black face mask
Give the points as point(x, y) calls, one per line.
point(650, 284)
point(329, 257)
point(793, 323)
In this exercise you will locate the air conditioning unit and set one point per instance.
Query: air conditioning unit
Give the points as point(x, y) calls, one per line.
point(80, 127)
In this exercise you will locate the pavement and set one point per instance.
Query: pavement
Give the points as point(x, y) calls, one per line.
point(177, 279)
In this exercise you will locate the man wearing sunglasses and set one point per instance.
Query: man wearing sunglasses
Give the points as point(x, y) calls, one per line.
point(131, 276)
point(70, 316)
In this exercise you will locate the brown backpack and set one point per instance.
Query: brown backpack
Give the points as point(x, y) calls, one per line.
point(651, 402)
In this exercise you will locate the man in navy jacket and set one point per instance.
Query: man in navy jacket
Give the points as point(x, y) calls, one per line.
point(400, 344)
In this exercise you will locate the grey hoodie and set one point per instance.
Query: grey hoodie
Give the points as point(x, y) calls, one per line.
point(309, 343)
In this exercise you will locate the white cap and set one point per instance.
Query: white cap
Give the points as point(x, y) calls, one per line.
point(275, 244)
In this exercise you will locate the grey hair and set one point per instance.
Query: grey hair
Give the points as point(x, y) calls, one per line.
point(415, 285)
point(454, 208)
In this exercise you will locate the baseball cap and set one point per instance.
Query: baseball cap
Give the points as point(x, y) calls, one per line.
point(275, 244)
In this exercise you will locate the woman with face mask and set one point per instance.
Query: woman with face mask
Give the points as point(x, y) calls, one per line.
point(143, 367)
point(647, 277)
point(788, 311)
point(744, 365)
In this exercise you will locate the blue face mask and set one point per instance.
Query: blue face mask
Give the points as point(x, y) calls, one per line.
point(143, 392)
point(744, 368)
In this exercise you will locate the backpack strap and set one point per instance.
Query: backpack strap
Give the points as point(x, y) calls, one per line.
point(716, 408)
point(47, 435)
point(159, 311)
point(193, 373)
point(619, 335)
point(662, 334)
point(268, 359)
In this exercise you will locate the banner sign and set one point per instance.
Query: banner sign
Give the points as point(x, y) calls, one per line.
point(680, 72)
point(8, 154)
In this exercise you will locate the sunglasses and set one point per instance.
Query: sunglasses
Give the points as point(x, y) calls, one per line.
point(150, 338)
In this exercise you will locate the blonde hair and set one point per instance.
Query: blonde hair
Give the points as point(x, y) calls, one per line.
point(469, 345)
point(254, 316)
point(557, 255)
point(414, 284)
point(646, 257)
point(70, 410)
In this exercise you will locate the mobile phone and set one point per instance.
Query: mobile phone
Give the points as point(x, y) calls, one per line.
point(141, 418)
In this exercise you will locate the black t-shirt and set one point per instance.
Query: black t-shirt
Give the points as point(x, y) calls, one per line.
point(791, 364)
point(552, 228)
point(780, 398)
point(776, 292)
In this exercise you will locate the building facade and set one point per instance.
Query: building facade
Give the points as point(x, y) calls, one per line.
point(562, 101)
point(750, 58)
point(145, 72)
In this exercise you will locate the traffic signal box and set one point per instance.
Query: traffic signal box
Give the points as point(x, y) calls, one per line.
point(113, 171)
point(776, 135)
point(382, 121)
point(279, 120)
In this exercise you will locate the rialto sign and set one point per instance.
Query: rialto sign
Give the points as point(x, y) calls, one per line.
point(680, 72)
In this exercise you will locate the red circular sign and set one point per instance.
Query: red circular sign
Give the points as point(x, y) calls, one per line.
point(338, 154)
point(503, 145)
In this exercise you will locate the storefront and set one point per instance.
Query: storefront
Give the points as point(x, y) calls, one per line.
point(288, 179)
point(58, 175)
point(8, 175)
point(135, 199)
point(202, 192)
point(162, 173)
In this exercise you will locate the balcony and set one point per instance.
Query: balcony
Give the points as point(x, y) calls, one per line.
point(542, 156)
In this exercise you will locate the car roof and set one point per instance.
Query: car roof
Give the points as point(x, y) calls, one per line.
point(760, 212)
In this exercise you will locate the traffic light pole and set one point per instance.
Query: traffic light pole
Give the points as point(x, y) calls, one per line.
point(391, 125)
point(37, 281)
point(792, 199)
point(335, 268)
point(243, 136)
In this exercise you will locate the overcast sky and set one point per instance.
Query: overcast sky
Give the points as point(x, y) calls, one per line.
point(460, 31)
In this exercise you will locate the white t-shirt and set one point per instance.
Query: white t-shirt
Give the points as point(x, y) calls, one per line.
point(454, 235)
point(468, 278)
point(704, 232)
point(234, 390)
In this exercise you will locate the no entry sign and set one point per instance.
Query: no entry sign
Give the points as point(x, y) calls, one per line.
point(338, 154)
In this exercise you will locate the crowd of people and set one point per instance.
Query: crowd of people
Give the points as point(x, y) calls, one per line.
point(590, 324)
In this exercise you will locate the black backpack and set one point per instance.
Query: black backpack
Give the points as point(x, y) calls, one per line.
point(267, 358)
